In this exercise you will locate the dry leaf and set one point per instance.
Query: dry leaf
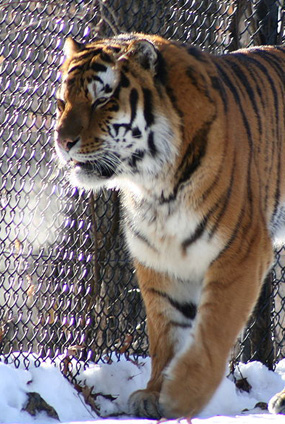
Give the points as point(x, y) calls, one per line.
point(89, 398)
point(126, 343)
point(36, 404)
point(243, 385)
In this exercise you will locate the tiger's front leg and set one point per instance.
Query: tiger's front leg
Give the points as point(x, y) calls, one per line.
point(169, 322)
point(230, 291)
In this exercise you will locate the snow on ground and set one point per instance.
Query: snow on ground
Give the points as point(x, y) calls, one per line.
point(111, 385)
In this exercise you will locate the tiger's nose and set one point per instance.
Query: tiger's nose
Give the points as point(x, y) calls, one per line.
point(67, 143)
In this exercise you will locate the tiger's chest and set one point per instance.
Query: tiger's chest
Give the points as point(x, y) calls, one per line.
point(157, 236)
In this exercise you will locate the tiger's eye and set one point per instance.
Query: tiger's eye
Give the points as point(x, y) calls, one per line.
point(99, 102)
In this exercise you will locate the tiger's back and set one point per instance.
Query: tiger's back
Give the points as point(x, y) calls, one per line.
point(247, 90)
point(195, 142)
point(255, 78)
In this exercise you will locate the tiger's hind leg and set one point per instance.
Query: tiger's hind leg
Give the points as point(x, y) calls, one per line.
point(168, 322)
point(231, 288)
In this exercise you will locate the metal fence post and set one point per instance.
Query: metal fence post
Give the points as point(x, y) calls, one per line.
point(267, 15)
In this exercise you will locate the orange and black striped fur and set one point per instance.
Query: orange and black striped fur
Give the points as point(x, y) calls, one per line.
point(196, 144)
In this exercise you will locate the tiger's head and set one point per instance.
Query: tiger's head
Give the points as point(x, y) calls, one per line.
point(114, 116)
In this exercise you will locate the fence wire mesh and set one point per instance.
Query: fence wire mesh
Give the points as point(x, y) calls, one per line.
point(66, 283)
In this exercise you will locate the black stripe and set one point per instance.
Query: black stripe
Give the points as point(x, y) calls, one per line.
point(148, 109)
point(191, 160)
point(75, 68)
point(136, 132)
point(98, 67)
point(198, 81)
point(233, 235)
point(218, 86)
point(247, 244)
point(180, 325)
point(96, 78)
point(117, 128)
point(117, 92)
point(192, 75)
point(137, 156)
point(106, 57)
point(107, 89)
point(218, 175)
point(256, 77)
point(222, 200)
point(84, 55)
point(93, 51)
point(239, 73)
point(225, 198)
point(124, 82)
point(264, 70)
point(197, 234)
point(197, 53)
point(194, 154)
point(236, 93)
point(151, 144)
point(173, 100)
point(113, 107)
point(134, 103)
point(273, 61)
point(115, 49)
point(125, 68)
point(189, 310)
point(140, 236)
point(161, 69)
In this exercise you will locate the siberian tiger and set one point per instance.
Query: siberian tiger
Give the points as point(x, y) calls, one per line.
point(195, 143)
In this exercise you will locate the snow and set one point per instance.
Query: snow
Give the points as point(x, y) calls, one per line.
point(111, 385)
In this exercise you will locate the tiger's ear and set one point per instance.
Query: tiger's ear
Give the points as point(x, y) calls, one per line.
point(71, 47)
point(144, 52)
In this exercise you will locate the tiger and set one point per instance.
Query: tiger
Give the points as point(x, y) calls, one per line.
point(194, 142)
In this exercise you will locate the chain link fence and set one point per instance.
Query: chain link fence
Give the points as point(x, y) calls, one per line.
point(66, 283)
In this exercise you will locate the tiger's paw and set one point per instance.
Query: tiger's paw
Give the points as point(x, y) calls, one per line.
point(144, 403)
point(174, 399)
point(277, 403)
point(184, 392)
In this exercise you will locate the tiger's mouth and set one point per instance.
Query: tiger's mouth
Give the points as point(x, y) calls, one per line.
point(94, 168)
